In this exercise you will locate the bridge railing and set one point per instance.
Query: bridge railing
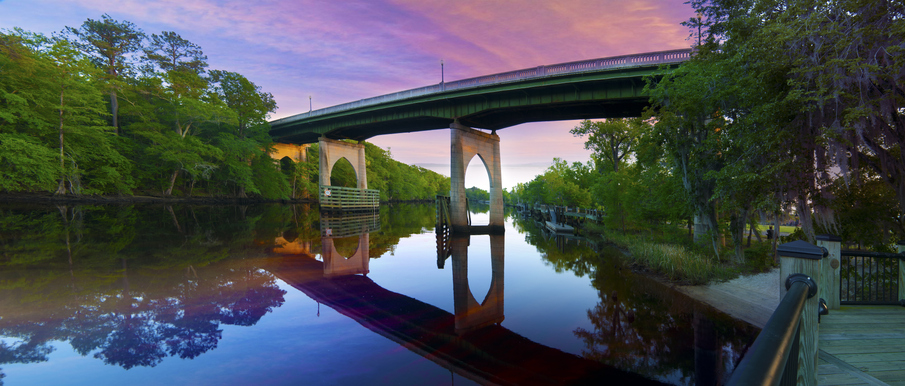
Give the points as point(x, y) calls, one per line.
point(625, 61)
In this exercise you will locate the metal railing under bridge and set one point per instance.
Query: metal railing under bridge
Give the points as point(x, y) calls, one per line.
point(342, 199)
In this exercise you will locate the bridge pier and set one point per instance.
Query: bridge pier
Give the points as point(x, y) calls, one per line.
point(332, 150)
point(342, 199)
point(465, 144)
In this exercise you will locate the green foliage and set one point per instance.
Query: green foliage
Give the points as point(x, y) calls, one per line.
point(612, 140)
point(182, 131)
point(26, 164)
point(475, 194)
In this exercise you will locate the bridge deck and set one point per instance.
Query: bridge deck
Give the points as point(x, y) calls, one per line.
point(588, 89)
point(870, 339)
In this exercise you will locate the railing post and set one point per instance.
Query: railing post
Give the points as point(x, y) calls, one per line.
point(900, 247)
point(804, 258)
point(830, 270)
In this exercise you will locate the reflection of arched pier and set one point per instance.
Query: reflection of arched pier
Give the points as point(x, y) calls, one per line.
point(489, 355)
point(335, 264)
point(471, 314)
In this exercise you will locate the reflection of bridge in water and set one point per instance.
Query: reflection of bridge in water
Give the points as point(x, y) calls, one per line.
point(469, 342)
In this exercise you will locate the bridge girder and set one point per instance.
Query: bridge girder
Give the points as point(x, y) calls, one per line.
point(592, 95)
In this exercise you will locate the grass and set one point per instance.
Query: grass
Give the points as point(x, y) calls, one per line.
point(685, 264)
point(782, 228)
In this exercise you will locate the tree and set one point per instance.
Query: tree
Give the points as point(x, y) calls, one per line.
point(80, 107)
point(833, 69)
point(51, 100)
point(170, 52)
point(109, 43)
point(612, 140)
point(250, 107)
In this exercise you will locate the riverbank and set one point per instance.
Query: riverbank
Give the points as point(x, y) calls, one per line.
point(32, 198)
point(101, 200)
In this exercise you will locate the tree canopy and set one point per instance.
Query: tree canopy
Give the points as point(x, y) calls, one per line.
point(107, 109)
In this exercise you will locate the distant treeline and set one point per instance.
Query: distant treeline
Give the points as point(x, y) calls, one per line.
point(105, 109)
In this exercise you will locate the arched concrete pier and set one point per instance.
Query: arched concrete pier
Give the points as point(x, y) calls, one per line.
point(465, 144)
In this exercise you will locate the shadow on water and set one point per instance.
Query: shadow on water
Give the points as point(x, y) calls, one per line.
point(134, 285)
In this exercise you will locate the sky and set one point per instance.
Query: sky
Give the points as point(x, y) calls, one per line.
point(337, 51)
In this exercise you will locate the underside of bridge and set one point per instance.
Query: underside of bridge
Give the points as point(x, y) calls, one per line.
point(611, 95)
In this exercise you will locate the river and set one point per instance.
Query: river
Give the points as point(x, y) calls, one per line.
point(279, 295)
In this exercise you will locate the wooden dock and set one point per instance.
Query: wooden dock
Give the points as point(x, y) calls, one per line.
point(858, 345)
point(862, 345)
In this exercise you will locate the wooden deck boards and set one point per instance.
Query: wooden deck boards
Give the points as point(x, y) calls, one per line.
point(871, 339)
point(859, 345)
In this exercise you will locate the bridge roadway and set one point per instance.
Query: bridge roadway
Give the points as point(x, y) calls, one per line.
point(588, 89)
point(487, 355)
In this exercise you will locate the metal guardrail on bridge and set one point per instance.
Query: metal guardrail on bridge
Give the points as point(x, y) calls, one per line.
point(616, 62)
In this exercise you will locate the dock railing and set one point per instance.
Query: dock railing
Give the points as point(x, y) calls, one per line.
point(856, 277)
point(870, 278)
point(443, 229)
point(342, 199)
point(785, 351)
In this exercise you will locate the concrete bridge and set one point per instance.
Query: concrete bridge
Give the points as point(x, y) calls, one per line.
point(589, 89)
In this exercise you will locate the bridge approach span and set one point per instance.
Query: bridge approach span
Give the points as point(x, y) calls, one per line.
point(597, 88)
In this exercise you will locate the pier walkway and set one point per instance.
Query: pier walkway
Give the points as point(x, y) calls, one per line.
point(858, 345)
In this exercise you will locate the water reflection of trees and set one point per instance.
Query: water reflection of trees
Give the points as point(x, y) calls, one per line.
point(130, 286)
point(641, 325)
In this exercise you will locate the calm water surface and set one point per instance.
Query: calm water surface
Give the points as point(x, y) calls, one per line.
point(277, 294)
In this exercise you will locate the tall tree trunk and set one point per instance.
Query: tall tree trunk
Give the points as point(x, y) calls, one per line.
point(114, 111)
point(737, 224)
point(61, 188)
point(169, 190)
point(775, 236)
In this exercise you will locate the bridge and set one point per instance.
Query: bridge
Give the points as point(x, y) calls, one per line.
point(589, 89)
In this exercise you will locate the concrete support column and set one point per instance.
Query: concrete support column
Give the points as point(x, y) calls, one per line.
point(362, 167)
point(830, 270)
point(332, 150)
point(465, 144)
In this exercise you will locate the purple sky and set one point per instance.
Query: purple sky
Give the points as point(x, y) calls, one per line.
point(339, 51)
